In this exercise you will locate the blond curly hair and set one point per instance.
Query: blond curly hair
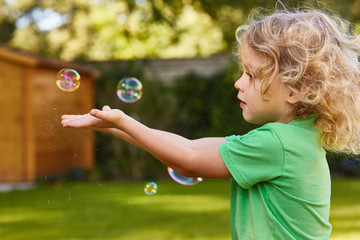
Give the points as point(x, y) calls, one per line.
point(316, 54)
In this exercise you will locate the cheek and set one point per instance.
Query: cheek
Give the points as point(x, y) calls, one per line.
point(255, 92)
point(256, 84)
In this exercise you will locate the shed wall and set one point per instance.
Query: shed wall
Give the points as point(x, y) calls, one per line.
point(59, 149)
point(11, 121)
point(32, 141)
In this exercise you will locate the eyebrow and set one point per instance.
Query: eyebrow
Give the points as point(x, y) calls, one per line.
point(249, 67)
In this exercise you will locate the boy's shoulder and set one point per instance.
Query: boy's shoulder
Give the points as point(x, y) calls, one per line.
point(297, 134)
point(277, 132)
point(295, 126)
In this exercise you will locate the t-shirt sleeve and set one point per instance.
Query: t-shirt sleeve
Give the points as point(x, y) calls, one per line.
point(255, 157)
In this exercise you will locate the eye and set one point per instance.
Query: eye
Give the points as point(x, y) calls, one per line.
point(249, 75)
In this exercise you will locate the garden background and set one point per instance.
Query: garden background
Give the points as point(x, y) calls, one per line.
point(107, 202)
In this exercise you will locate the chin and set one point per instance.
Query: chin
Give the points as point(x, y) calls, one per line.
point(249, 119)
point(253, 121)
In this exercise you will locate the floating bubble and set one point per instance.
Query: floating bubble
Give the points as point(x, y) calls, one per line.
point(129, 90)
point(68, 79)
point(150, 188)
point(182, 179)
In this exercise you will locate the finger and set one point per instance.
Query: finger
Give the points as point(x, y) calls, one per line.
point(79, 123)
point(63, 121)
point(77, 120)
point(103, 115)
point(96, 113)
point(106, 108)
point(66, 116)
point(72, 117)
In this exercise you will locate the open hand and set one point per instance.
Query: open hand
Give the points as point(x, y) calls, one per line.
point(105, 118)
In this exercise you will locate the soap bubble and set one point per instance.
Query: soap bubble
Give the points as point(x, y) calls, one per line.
point(129, 90)
point(182, 179)
point(150, 188)
point(68, 79)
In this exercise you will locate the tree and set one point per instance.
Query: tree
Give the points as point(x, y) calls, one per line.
point(103, 30)
point(123, 29)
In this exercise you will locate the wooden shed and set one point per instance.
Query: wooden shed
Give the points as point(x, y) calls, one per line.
point(32, 141)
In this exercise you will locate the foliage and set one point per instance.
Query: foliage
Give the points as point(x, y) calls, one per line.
point(207, 106)
point(123, 211)
point(104, 30)
point(343, 165)
point(122, 29)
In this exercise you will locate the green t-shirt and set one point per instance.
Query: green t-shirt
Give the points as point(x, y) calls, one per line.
point(281, 182)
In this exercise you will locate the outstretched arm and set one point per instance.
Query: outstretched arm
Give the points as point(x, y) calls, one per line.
point(188, 157)
point(91, 122)
point(196, 144)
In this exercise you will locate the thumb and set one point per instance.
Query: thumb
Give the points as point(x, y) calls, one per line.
point(106, 108)
point(97, 113)
point(102, 115)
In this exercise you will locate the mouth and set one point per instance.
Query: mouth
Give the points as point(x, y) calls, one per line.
point(242, 103)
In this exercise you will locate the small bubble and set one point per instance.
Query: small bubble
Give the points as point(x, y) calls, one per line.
point(150, 188)
point(129, 90)
point(68, 80)
point(182, 179)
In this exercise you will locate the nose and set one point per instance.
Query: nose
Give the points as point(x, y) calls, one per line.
point(238, 84)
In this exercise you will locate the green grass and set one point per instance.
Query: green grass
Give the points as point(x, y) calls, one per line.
point(117, 211)
point(112, 211)
point(345, 209)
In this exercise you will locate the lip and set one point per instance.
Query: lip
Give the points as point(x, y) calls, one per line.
point(242, 103)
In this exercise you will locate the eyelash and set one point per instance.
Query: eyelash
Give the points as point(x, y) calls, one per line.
point(250, 75)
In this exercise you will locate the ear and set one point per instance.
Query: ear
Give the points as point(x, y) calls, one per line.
point(291, 98)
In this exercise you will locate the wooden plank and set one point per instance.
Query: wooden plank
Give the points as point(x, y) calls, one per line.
point(28, 131)
point(11, 56)
point(11, 120)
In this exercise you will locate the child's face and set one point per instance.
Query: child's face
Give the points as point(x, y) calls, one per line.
point(256, 109)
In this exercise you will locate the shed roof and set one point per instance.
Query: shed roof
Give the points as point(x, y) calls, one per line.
point(24, 58)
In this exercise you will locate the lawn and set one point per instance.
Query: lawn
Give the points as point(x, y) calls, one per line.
point(345, 209)
point(113, 211)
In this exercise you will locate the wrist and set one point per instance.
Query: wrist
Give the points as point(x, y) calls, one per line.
point(122, 121)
